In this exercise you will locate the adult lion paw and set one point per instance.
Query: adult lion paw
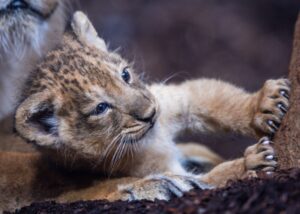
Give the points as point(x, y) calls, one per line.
point(260, 157)
point(273, 103)
point(162, 187)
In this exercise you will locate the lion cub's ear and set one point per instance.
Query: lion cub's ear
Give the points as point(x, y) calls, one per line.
point(36, 119)
point(86, 32)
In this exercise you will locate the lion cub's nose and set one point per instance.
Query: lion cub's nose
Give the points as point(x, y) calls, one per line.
point(148, 117)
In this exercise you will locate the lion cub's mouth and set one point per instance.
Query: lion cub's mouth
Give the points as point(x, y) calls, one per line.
point(16, 6)
point(136, 133)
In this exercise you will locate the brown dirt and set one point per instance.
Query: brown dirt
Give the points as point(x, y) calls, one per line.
point(280, 194)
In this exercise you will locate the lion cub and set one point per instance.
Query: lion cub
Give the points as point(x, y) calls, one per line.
point(87, 112)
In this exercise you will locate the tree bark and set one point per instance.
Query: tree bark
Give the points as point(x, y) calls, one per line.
point(287, 139)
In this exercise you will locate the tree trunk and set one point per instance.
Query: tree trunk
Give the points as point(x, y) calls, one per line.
point(287, 139)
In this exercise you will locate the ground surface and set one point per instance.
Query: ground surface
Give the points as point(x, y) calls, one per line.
point(280, 194)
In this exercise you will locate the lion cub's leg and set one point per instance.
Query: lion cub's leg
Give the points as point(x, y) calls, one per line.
point(165, 186)
point(259, 156)
point(161, 186)
point(208, 104)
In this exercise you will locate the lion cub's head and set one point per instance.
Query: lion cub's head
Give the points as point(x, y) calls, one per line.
point(85, 100)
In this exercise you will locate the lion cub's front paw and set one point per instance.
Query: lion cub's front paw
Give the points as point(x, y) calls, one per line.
point(162, 187)
point(260, 157)
point(272, 105)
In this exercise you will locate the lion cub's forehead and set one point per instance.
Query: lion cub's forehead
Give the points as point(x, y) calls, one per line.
point(77, 69)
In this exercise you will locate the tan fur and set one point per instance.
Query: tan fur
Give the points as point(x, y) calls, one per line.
point(132, 140)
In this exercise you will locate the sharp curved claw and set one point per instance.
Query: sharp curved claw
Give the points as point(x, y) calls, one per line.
point(269, 157)
point(284, 93)
point(267, 142)
point(273, 125)
point(282, 107)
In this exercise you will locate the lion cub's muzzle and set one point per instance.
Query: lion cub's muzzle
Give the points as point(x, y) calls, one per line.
point(142, 122)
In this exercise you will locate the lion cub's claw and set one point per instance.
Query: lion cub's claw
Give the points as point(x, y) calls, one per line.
point(272, 106)
point(162, 187)
point(261, 157)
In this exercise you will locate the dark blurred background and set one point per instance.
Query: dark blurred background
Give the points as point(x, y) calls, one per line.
point(244, 42)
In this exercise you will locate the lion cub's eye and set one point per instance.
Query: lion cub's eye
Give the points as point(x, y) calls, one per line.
point(101, 108)
point(126, 75)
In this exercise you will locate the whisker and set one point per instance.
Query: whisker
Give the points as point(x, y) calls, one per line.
point(113, 162)
point(121, 154)
point(172, 76)
point(109, 149)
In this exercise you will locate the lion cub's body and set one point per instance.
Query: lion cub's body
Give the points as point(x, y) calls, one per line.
point(89, 114)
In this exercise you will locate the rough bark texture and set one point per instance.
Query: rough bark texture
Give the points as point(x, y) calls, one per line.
point(287, 139)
